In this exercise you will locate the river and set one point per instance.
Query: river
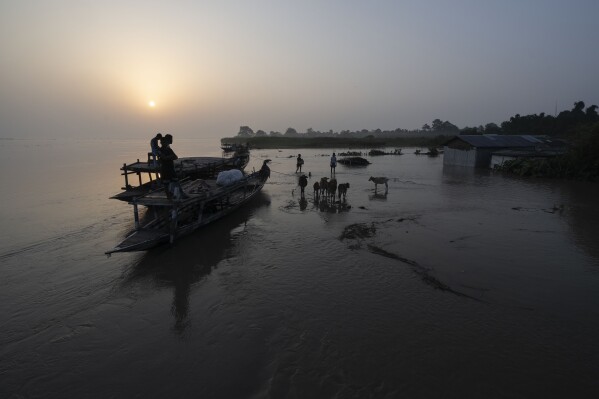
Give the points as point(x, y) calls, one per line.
point(453, 283)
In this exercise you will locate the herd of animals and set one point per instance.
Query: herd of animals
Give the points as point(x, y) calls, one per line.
point(328, 188)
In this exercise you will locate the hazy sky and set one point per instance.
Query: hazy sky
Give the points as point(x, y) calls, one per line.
point(90, 68)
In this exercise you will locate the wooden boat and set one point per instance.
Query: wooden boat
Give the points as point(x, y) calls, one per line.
point(190, 167)
point(353, 161)
point(234, 147)
point(204, 202)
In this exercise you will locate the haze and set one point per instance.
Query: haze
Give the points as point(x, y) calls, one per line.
point(91, 68)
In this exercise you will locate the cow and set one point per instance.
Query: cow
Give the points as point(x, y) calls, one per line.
point(379, 180)
point(324, 183)
point(332, 188)
point(342, 190)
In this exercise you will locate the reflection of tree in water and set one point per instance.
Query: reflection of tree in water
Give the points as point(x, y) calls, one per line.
point(191, 259)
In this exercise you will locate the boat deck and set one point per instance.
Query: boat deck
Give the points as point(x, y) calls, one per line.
point(185, 165)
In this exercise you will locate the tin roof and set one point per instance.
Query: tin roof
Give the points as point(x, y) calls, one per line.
point(500, 140)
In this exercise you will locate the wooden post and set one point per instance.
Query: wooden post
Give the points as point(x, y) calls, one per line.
point(201, 213)
point(135, 214)
point(173, 224)
point(126, 176)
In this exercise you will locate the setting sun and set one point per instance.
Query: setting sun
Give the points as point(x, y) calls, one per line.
point(152, 104)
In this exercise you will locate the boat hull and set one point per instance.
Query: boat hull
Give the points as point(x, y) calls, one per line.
point(176, 218)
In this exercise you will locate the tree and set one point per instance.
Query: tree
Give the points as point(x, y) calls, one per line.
point(260, 133)
point(426, 127)
point(245, 131)
point(291, 132)
point(492, 128)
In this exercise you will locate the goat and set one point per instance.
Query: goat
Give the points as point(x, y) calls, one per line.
point(342, 190)
point(332, 188)
point(379, 180)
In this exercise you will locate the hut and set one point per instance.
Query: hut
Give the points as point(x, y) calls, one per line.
point(477, 150)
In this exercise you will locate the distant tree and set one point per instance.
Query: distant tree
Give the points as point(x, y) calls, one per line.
point(245, 131)
point(291, 132)
point(260, 133)
point(578, 108)
point(492, 128)
point(469, 130)
point(437, 125)
point(275, 134)
point(426, 127)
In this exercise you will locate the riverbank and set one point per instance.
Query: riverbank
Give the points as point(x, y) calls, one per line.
point(579, 163)
point(335, 142)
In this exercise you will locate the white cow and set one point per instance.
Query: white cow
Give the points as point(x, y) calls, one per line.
point(379, 180)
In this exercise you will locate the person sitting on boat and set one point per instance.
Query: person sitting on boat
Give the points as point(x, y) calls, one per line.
point(155, 148)
point(167, 168)
point(300, 162)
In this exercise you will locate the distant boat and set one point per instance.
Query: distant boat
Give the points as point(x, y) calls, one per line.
point(353, 161)
point(234, 147)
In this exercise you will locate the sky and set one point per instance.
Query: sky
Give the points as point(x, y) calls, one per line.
point(91, 68)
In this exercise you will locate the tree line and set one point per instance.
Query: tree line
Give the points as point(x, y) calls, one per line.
point(564, 124)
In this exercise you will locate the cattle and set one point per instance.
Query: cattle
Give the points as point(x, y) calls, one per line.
point(324, 183)
point(316, 189)
point(332, 188)
point(342, 190)
point(379, 180)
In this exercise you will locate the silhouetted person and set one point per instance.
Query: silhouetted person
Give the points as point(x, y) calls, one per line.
point(300, 162)
point(333, 164)
point(303, 182)
point(167, 167)
point(155, 147)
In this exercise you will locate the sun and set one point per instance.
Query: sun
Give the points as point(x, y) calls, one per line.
point(151, 104)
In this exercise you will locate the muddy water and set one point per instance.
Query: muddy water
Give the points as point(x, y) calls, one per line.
point(453, 283)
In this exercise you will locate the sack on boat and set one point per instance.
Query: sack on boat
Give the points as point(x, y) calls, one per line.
point(228, 177)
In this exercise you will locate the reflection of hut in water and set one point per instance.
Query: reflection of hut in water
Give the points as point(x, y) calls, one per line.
point(353, 161)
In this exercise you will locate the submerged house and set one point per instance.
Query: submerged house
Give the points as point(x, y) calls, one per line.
point(489, 150)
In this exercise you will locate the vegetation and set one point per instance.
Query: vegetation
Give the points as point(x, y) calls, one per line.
point(336, 142)
point(579, 126)
point(581, 162)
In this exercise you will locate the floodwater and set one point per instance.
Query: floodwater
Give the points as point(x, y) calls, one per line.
point(454, 283)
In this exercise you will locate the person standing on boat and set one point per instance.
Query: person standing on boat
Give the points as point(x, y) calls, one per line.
point(300, 162)
point(333, 164)
point(155, 147)
point(167, 167)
